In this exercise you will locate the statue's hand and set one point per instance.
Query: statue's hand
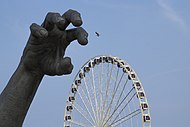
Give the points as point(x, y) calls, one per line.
point(44, 52)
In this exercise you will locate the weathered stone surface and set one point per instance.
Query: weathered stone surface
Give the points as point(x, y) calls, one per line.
point(43, 55)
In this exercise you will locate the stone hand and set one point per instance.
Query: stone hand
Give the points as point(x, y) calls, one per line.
point(45, 49)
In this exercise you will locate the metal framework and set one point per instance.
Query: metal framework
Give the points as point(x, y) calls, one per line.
point(107, 92)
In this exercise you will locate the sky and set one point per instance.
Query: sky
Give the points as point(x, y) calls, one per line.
point(153, 36)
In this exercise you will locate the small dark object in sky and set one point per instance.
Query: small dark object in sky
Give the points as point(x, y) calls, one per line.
point(97, 34)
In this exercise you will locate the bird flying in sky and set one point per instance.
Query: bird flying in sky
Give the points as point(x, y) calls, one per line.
point(97, 34)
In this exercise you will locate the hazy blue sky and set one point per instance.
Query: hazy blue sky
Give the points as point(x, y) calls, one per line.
point(153, 36)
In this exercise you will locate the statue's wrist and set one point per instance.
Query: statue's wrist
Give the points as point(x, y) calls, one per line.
point(33, 71)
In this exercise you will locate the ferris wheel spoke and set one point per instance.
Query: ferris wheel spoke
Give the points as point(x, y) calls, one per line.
point(85, 103)
point(79, 124)
point(121, 125)
point(133, 103)
point(95, 96)
point(124, 106)
point(107, 85)
point(109, 74)
point(125, 118)
point(100, 88)
point(117, 107)
point(129, 108)
point(119, 104)
point(81, 111)
point(122, 90)
point(113, 95)
point(89, 96)
point(116, 90)
point(116, 78)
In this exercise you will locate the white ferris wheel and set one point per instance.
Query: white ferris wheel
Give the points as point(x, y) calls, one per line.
point(107, 92)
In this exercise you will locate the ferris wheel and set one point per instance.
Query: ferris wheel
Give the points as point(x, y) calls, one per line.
point(107, 92)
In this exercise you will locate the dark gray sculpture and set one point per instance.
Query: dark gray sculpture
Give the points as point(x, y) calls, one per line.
point(43, 55)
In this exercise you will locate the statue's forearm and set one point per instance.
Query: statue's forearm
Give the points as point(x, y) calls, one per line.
point(17, 97)
point(43, 55)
